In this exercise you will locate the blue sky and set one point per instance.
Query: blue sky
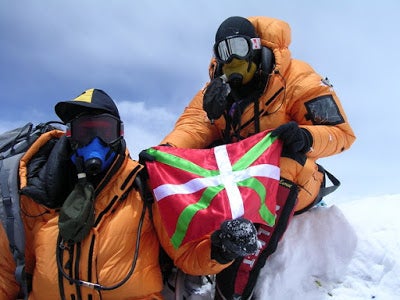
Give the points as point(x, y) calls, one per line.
point(151, 58)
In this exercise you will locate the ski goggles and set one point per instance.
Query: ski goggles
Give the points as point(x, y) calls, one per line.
point(240, 47)
point(84, 129)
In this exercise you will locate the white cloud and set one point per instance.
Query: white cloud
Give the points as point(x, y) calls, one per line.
point(144, 126)
point(159, 54)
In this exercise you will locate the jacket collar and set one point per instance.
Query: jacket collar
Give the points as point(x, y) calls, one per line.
point(276, 35)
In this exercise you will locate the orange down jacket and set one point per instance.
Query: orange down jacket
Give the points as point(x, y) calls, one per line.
point(106, 255)
point(295, 92)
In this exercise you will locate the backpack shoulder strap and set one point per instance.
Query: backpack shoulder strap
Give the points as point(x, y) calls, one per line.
point(10, 214)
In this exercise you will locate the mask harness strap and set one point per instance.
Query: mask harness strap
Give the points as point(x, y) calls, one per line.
point(234, 116)
point(62, 245)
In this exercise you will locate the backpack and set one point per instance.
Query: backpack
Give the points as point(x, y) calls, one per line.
point(13, 145)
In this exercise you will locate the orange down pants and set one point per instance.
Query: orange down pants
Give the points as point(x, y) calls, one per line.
point(307, 178)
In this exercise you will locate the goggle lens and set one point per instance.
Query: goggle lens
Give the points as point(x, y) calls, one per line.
point(84, 129)
point(238, 46)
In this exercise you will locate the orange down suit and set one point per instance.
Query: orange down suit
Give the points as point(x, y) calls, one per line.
point(109, 247)
point(294, 92)
point(106, 254)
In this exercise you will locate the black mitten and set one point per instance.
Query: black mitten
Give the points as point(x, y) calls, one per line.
point(51, 173)
point(295, 139)
point(214, 99)
point(234, 239)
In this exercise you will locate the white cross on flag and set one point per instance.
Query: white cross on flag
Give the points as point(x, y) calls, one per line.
point(197, 189)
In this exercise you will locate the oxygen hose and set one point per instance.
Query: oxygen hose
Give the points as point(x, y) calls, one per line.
point(96, 286)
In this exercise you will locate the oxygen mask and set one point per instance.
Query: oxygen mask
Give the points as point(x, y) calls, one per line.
point(93, 138)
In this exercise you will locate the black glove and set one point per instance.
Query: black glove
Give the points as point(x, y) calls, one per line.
point(295, 139)
point(234, 239)
point(214, 100)
point(143, 157)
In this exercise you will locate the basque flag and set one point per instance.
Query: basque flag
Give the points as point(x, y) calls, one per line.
point(197, 189)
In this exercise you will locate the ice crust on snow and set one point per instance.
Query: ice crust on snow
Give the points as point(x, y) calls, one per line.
point(317, 247)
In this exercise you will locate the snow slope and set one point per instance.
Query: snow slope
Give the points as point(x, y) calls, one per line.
point(313, 254)
point(344, 251)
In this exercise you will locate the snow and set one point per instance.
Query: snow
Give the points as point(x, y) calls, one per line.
point(340, 251)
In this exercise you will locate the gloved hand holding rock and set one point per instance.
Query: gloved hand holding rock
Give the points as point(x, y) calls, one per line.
point(235, 238)
point(295, 139)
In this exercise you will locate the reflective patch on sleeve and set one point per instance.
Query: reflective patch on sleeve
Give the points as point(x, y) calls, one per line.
point(323, 111)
